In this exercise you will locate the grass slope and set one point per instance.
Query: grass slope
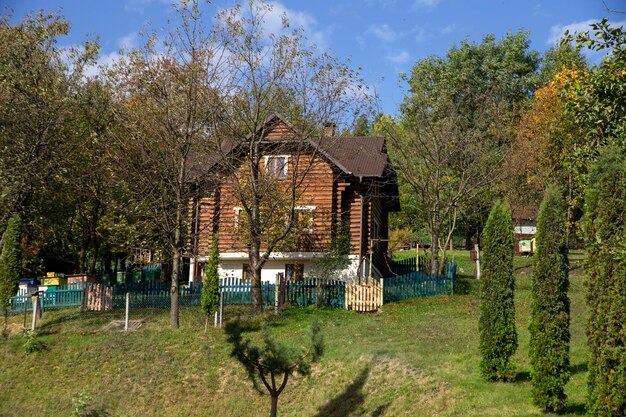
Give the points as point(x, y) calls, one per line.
point(414, 358)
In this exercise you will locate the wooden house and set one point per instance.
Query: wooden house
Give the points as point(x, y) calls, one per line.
point(348, 183)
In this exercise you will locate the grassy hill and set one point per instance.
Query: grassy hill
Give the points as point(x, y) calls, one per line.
point(415, 358)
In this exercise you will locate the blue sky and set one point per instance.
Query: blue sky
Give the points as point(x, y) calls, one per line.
point(383, 37)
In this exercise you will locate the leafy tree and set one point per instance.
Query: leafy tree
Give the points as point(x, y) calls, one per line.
point(455, 123)
point(334, 261)
point(549, 326)
point(498, 335)
point(275, 73)
point(165, 99)
point(604, 230)
point(271, 364)
point(10, 262)
point(211, 286)
point(37, 113)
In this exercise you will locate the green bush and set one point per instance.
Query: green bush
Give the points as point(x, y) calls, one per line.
point(31, 343)
point(498, 336)
point(10, 260)
point(549, 323)
point(604, 232)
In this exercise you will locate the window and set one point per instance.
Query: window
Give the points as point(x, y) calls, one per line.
point(246, 272)
point(276, 166)
point(294, 272)
point(304, 217)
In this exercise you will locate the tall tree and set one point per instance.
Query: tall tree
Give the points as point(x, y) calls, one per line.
point(165, 93)
point(37, 112)
point(274, 70)
point(498, 335)
point(455, 125)
point(604, 228)
point(549, 326)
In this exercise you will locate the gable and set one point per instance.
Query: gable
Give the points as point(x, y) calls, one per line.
point(279, 130)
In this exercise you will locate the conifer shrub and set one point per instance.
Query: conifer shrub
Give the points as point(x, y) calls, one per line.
point(498, 335)
point(210, 296)
point(549, 325)
point(604, 232)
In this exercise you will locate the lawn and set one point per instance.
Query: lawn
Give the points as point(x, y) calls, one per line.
point(414, 358)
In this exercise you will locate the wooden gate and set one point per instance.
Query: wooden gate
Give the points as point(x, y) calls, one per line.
point(97, 297)
point(364, 297)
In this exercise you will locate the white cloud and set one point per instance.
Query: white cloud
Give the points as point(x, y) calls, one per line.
point(128, 41)
point(401, 57)
point(383, 32)
point(448, 29)
point(556, 31)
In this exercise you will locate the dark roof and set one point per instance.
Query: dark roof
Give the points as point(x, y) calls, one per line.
point(361, 156)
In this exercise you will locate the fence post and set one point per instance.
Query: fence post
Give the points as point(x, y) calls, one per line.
point(477, 261)
point(127, 308)
point(221, 308)
point(35, 308)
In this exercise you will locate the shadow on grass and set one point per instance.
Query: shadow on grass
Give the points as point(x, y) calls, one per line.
point(523, 376)
point(350, 399)
point(380, 411)
point(578, 409)
point(465, 284)
point(579, 368)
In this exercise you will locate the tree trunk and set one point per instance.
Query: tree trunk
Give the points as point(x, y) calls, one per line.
point(174, 324)
point(274, 409)
point(257, 296)
point(434, 249)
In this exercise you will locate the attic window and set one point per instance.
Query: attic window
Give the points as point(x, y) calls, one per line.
point(277, 166)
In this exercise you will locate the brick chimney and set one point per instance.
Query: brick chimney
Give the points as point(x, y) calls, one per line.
point(329, 130)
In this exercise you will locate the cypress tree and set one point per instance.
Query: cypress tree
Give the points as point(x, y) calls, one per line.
point(498, 335)
point(604, 232)
point(10, 260)
point(211, 286)
point(549, 325)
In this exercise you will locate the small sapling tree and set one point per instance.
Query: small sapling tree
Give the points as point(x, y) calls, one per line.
point(211, 286)
point(498, 336)
point(271, 364)
point(549, 325)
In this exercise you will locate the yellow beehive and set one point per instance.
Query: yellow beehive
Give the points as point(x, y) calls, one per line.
point(54, 281)
point(51, 274)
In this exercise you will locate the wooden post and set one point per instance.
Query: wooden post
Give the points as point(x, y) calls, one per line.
point(276, 292)
point(477, 261)
point(417, 256)
point(127, 311)
point(215, 320)
point(221, 308)
point(35, 308)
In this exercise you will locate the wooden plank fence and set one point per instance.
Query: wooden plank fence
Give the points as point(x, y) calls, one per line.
point(364, 297)
point(97, 297)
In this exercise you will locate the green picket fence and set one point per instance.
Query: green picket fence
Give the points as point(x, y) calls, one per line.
point(306, 292)
point(59, 296)
point(417, 284)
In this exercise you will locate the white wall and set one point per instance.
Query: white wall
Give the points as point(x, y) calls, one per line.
point(233, 268)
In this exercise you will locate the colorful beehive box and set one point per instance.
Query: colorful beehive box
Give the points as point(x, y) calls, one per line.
point(79, 278)
point(57, 279)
